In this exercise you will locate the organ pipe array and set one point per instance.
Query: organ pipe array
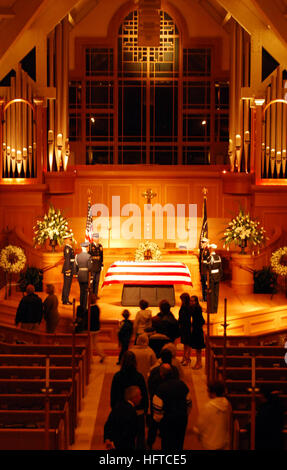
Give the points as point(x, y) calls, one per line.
point(239, 114)
point(19, 129)
point(273, 150)
point(58, 53)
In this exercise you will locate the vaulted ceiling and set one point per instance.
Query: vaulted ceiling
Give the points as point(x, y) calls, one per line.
point(23, 23)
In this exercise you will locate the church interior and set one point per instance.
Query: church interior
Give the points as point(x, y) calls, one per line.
point(151, 123)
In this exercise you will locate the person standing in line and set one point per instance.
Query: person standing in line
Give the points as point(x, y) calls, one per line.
point(185, 326)
point(95, 328)
point(68, 268)
point(171, 405)
point(30, 310)
point(121, 427)
point(124, 334)
point(97, 262)
point(143, 319)
point(197, 335)
point(213, 426)
point(50, 309)
point(128, 375)
point(83, 267)
point(145, 356)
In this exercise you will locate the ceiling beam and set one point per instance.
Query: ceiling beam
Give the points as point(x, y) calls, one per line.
point(34, 19)
point(255, 23)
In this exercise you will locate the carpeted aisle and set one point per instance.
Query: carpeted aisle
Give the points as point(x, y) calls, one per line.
point(191, 441)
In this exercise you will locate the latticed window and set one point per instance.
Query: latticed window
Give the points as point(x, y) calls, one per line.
point(149, 105)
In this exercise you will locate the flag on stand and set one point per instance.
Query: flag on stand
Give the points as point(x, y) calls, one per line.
point(89, 225)
point(204, 227)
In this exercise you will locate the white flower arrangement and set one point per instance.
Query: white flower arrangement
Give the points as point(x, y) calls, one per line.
point(12, 259)
point(242, 230)
point(53, 226)
point(278, 261)
point(150, 248)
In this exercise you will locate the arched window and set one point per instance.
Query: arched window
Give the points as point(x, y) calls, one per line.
point(149, 105)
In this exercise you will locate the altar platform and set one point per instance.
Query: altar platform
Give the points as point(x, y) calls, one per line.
point(246, 314)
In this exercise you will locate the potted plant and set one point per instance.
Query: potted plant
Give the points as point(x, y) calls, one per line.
point(53, 227)
point(243, 231)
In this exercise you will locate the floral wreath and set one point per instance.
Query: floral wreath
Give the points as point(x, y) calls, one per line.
point(276, 261)
point(12, 259)
point(147, 247)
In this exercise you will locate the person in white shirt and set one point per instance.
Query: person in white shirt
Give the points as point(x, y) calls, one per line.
point(213, 426)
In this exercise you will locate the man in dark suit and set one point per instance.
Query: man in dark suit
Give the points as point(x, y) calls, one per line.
point(96, 252)
point(171, 404)
point(68, 269)
point(30, 310)
point(215, 272)
point(83, 267)
point(121, 427)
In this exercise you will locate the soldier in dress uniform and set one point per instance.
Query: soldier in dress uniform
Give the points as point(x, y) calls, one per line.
point(68, 268)
point(215, 275)
point(96, 252)
point(203, 255)
point(83, 267)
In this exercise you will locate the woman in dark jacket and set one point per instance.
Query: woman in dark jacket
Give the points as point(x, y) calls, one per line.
point(50, 309)
point(197, 336)
point(127, 376)
point(184, 323)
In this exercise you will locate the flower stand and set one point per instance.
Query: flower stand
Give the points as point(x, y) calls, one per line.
point(242, 267)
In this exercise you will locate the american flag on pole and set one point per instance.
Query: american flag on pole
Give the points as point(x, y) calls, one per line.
point(147, 273)
point(89, 224)
point(204, 227)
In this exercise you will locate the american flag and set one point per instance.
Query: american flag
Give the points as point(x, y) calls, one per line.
point(89, 225)
point(147, 273)
point(204, 227)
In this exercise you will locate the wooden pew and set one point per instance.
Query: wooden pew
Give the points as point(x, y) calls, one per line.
point(33, 439)
point(31, 386)
point(46, 350)
point(242, 401)
point(37, 402)
point(245, 361)
point(242, 386)
point(40, 361)
point(35, 372)
point(35, 419)
point(245, 373)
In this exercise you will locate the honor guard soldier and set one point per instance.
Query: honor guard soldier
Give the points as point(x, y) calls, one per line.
point(68, 268)
point(203, 256)
point(215, 276)
point(83, 267)
point(96, 252)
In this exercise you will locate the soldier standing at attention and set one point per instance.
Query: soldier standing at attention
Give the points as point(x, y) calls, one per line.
point(83, 267)
point(68, 268)
point(215, 275)
point(203, 255)
point(96, 252)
